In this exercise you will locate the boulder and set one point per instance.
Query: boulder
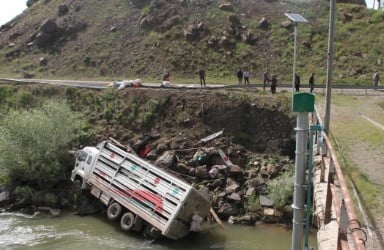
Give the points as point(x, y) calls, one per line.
point(14, 35)
point(166, 160)
point(161, 147)
point(347, 17)
point(113, 29)
point(43, 61)
point(149, 22)
point(44, 39)
point(63, 9)
point(4, 198)
point(228, 209)
point(152, 156)
point(287, 24)
point(232, 188)
point(31, 2)
point(235, 170)
point(255, 182)
point(182, 168)
point(234, 197)
point(225, 42)
point(169, 23)
point(191, 33)
point(264, 23)
point(273, 170)
point(226, 7)
point(265, 201)
point(272, 212)
point(250, 192)
point(48, 26)
point(234, 20)
point(202, 172)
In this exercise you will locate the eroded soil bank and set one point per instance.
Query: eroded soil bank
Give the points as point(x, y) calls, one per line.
point(166, 128)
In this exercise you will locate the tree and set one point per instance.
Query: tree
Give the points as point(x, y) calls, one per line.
point(34, 143)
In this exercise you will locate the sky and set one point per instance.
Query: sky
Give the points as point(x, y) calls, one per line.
point(11, 8)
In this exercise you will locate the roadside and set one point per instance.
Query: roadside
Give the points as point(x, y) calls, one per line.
point(356, 129)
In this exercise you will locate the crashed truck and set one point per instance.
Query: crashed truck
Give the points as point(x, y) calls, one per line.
point(144, 197)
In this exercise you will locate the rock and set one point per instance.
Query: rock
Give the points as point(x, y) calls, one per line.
point(228, 209)
point(347, 17)
point(235, 170)
point(265, 201)
point(149, 22)
point(113, 29)
point(43, 61)
point(273, 170)
point(169, 23)
point(4, 198)
point(89, 205)
point(152, 156)
point(14, 35)
point(232, 188)
point(191, 33)
point(234, 20)
point(12, 45)
point(166, 160)
point(200, 26)
point(31, 38)
point(226, 7)
point(63, 9)
point(287, 24)
point(161, 147)
point(264, 24)
point(225, 42)
point(31, 2)
point(250, 192)
point(182, 168)
point(202, 172)
point(246, 219)
point(55, 212)
point(139, 3)
point(272, 212)
point(44, 39)
point(234, 197)
point(48, 26)
point(212, 42)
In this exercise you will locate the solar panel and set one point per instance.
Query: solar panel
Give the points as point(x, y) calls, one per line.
point(296, 18)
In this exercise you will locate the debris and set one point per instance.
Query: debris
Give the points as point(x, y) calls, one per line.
point(120, 85)
point(225, 158)
point(211, 137)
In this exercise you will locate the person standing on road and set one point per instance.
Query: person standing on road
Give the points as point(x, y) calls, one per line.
point(273, 84)
point(312, 82)
point(202, 77)
point(166, 75)
point(246, 77)
point(265, 79)
point(297, 82)
point(240, 76)
point(376, 79)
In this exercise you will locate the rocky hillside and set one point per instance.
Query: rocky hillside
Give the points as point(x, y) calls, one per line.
point(138, 38)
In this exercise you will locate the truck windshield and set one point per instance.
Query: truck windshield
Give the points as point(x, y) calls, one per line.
point(82, 156)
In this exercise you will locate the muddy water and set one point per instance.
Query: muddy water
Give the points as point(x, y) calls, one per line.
point(95, 232)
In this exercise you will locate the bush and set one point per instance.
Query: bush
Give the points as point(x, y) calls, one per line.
point(34, 144)
point(280, 190)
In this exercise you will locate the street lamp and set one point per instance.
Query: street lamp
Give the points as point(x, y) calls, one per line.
point(295, 18)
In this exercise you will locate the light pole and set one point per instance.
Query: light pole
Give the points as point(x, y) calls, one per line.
point(327, 117)
point(296, 19)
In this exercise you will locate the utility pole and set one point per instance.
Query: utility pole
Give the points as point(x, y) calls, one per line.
point(303, 104)
point(332, 10)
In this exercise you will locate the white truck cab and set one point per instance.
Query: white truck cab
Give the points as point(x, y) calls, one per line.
point(84, 163)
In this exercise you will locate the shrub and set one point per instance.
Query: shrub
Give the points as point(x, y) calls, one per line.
point(34, 143)
point(280, 189)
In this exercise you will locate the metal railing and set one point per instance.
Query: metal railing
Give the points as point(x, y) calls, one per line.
point(338, 197)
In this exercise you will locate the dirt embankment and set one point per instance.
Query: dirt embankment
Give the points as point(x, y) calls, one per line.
point(166, 128)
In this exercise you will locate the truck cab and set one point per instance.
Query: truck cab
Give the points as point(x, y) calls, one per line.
point(85, 160)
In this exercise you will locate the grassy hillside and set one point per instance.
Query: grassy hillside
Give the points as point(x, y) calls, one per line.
point(117, 39)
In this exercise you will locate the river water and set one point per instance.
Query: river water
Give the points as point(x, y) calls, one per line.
point(68, 231)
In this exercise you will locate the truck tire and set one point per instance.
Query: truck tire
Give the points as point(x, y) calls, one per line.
point(114, 211)
point(77, 185)
point(127, 221)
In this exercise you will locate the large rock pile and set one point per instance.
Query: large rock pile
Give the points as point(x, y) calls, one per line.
point(236, 185)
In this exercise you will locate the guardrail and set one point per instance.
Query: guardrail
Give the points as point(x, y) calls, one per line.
point(336, 198)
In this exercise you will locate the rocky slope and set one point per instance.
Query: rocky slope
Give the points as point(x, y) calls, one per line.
point(99, 38)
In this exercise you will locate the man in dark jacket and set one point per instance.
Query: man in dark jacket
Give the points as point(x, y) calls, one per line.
point(240, 76)
point(202, 77)
point(297, 82)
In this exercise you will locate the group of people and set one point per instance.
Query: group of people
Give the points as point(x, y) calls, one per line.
point(311, 82)
point(268, 80)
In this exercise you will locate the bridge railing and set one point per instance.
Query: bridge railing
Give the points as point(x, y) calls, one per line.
point(337, 197)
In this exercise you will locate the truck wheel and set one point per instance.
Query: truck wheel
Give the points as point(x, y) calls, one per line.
point(127, 221)
point(114, 211)
point(77, 185)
